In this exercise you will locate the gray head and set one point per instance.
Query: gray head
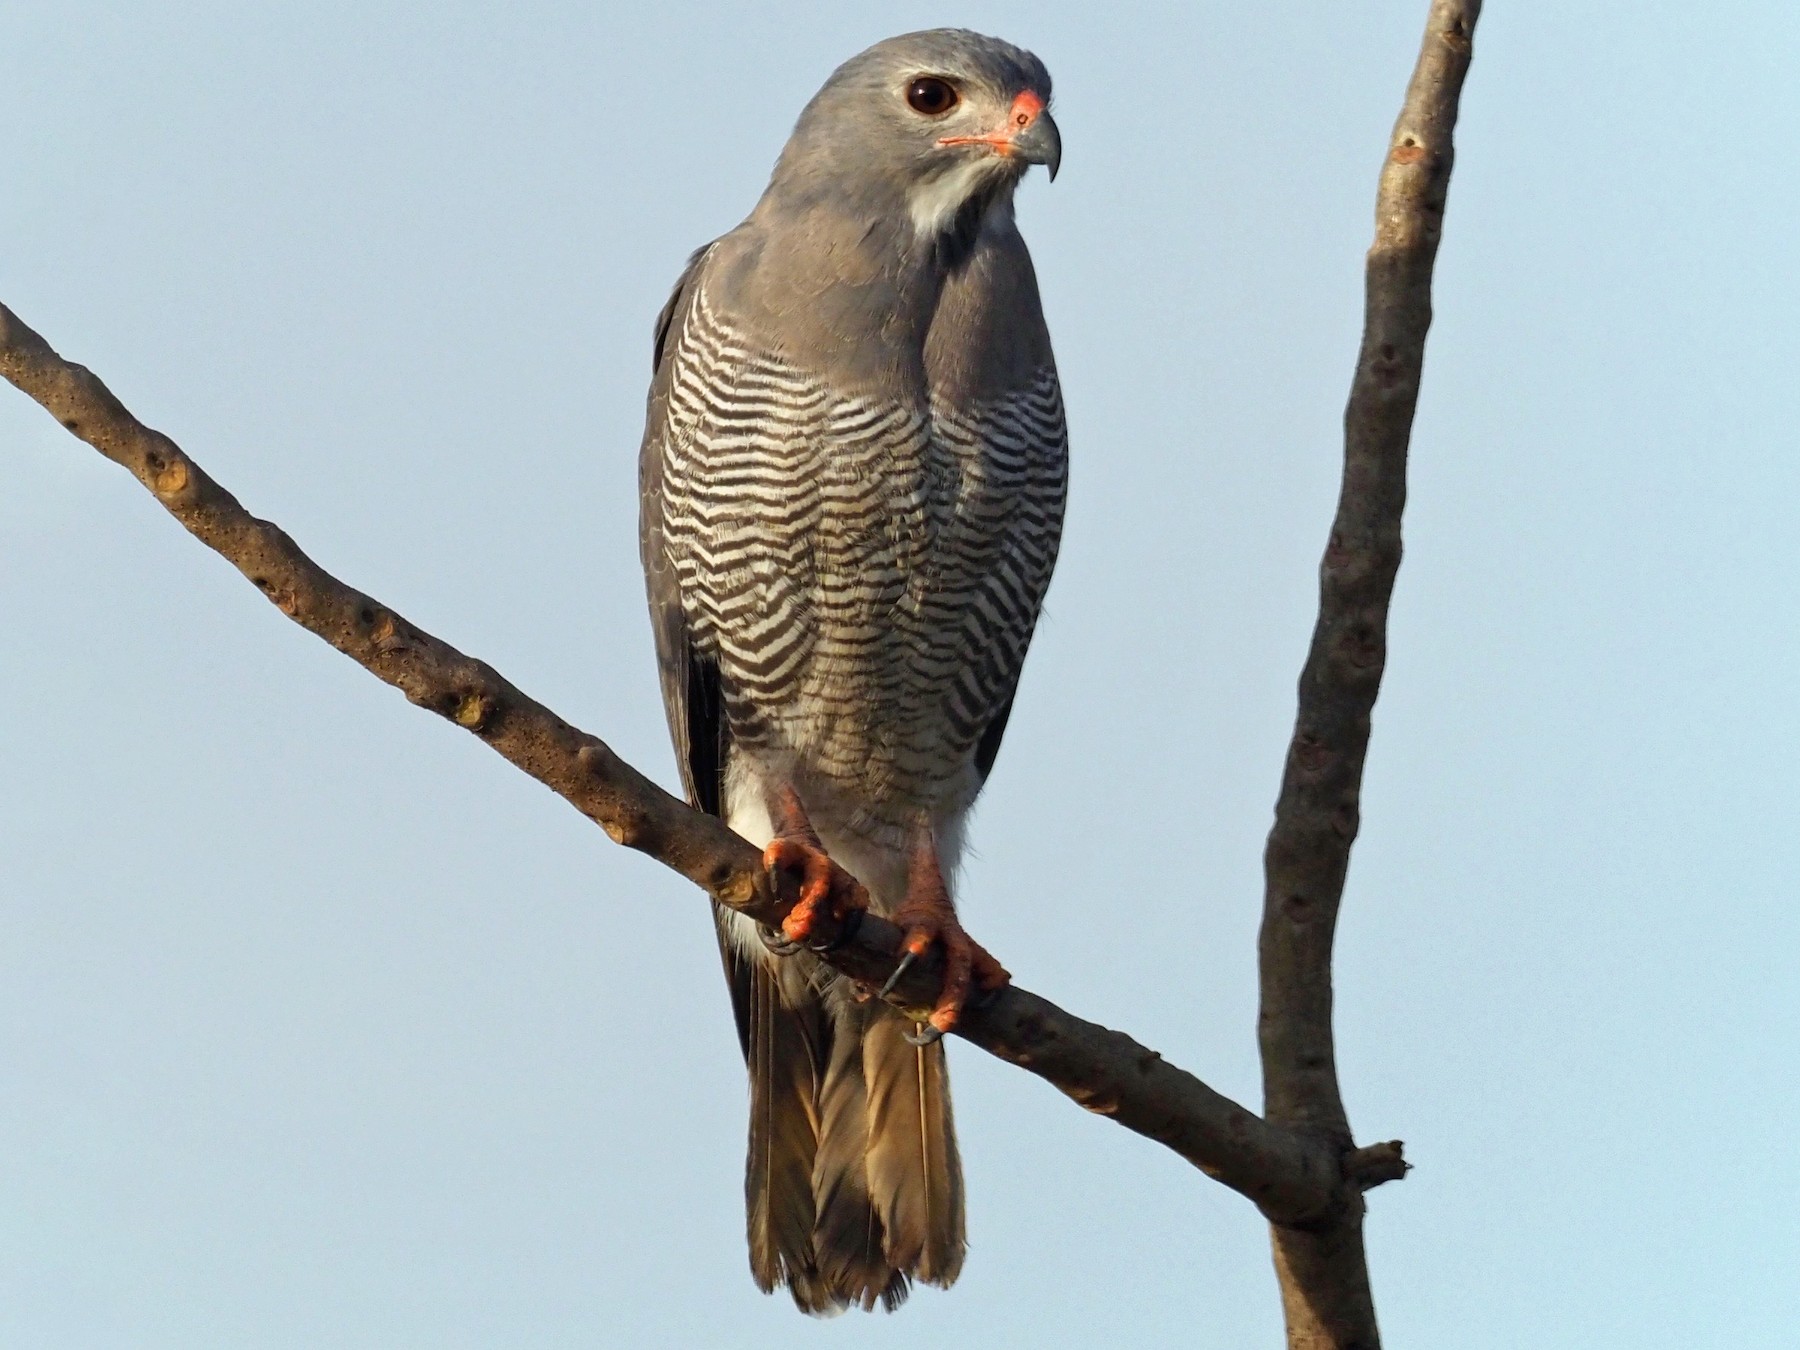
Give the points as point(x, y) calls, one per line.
point(931, 128)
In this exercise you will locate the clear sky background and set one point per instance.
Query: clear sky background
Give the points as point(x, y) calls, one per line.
point(322, 1026)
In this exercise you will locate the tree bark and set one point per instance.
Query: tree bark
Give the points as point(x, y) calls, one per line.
point(1320, 1264)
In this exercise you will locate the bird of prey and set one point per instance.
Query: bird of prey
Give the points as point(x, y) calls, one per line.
point(852, 478)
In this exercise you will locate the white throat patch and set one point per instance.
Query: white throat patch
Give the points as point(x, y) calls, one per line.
point(935, 203)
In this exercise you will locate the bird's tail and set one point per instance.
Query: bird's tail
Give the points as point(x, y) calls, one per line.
point(914, 1173)
point(853, 1187)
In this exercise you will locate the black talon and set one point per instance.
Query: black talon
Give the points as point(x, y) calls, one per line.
point(775, 942)
point(894, 979)
point(927, 1034)
point(846, 933)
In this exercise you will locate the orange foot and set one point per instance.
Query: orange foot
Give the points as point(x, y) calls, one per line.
point(927, 916)
point(824, 886)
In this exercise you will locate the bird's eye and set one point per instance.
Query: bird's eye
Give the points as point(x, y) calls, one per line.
point(931, 96)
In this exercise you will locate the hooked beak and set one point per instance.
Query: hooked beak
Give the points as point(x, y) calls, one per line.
point(1040, 143)
point(1030, 133)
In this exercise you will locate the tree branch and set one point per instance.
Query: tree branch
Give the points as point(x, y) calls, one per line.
point(1290, 1176)
point(1322, 1268)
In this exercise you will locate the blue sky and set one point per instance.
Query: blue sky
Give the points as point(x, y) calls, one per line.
point(322, 1026)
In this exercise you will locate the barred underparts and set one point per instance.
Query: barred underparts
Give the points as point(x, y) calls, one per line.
point(867, 576)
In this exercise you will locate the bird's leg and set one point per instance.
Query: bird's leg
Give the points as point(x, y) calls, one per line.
point(796, 848)
point(926, 916)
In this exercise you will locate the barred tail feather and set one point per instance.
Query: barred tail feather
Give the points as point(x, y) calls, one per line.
point(848, 1236)
point(914, 1171)
point(782, 1049)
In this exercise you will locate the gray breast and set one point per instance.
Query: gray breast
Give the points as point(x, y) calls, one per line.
point(866, 574)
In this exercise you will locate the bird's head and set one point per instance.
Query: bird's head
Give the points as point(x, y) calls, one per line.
point(937, 127)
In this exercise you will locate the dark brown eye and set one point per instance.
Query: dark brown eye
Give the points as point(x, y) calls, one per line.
point(931, 96)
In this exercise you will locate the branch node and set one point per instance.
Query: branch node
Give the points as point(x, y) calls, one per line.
point(738, 888)
point(284, 600)
point(1373, 1164)
point(475, 710)
point(173, 478)
point(387, 637)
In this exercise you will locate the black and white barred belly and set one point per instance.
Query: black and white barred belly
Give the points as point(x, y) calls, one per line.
point(867, 575)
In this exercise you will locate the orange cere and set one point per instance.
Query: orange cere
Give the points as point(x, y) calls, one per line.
point(1024, 111)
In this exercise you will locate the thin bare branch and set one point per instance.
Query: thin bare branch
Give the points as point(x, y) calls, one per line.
point(1286, 1173)
point(1322, 1268)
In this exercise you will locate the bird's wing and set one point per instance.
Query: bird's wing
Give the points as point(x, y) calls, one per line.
point(994, 384)
point(690, 680)
point(692, 697)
